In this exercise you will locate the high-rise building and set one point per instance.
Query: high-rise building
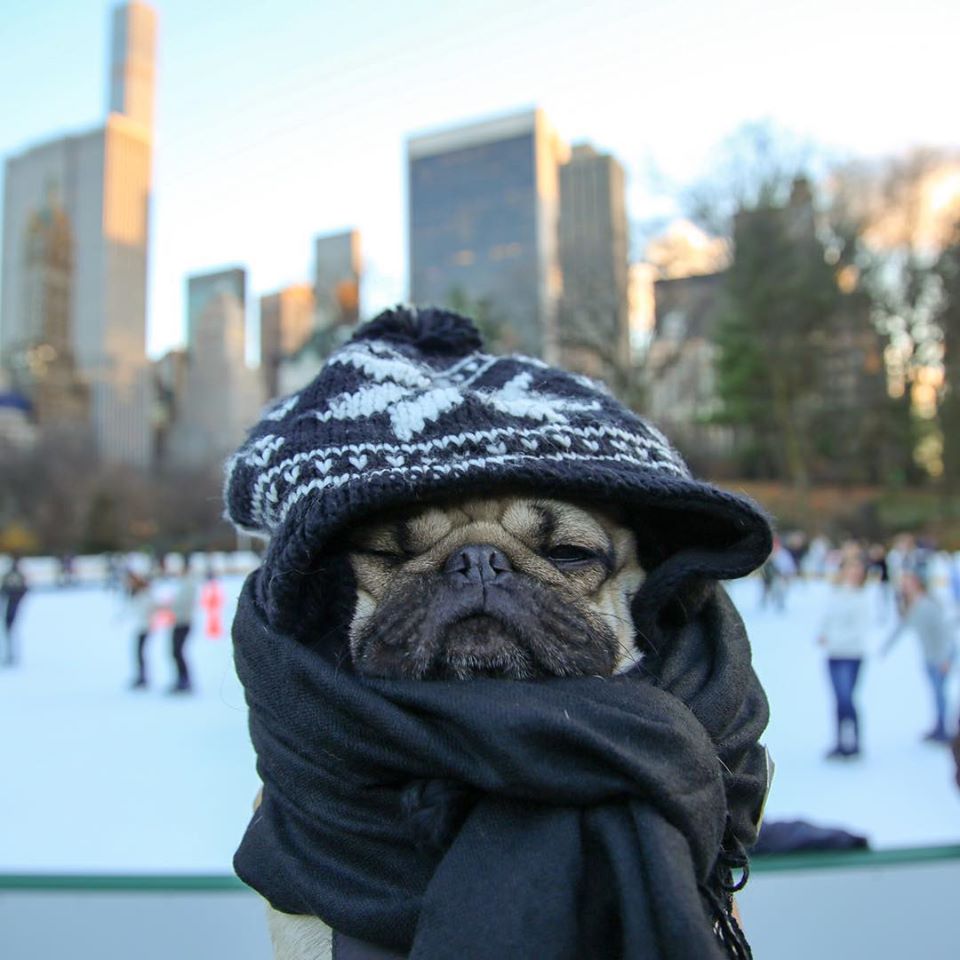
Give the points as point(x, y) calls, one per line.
point(681, 361)
point(169, 386)
point(286, 322)
point(483, 210)
point(46, 371)
point(132, 68)
point(336, 279)
point(594, 329)
point(101, 182)
point(202, 288)
point(221, 396)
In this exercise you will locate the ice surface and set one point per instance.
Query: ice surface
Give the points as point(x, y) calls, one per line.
point(98, 778)
point(901, 792)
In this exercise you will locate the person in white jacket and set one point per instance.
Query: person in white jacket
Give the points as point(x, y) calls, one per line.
point(843, 633)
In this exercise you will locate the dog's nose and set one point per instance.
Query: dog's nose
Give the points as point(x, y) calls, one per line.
point(477, 563)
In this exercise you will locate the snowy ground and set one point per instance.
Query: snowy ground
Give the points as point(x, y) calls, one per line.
point(98, 778)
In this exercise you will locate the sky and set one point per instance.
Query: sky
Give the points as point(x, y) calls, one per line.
point(278, 122)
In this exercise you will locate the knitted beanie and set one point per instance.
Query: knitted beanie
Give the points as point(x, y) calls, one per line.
point(411, 410)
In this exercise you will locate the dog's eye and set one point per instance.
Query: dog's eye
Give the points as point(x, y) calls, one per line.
point(568, 554)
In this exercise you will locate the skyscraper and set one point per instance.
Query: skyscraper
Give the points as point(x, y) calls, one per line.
point(101, 182)
point(336, 279)
point(286, 322)
point(221, 395)
point(46, 371)
point(594, 329)
point(483, 210)
point(202, 288)
point(132, 69)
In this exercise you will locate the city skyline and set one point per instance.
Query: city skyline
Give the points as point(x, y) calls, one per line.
point(73, 307)
point(274, 126)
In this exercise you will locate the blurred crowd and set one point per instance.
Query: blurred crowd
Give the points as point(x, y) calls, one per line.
point(797, 556)
point(917, 592)
point(173, 594)
point(168, 597)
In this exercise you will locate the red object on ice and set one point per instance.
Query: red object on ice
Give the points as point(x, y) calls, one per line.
point(211, 599)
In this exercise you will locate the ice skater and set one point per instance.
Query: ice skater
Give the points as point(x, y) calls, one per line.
point(880, 570)
point(181, 606)
point(924, 616)
point(142, 608)
point(905, 557)
point(13, 588)
point(843, 633)
point(776, 575)
point(954, 578)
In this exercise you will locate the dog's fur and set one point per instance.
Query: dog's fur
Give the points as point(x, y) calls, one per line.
point(512, 586)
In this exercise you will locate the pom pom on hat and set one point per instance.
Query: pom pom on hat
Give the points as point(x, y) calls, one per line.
point(428, 329)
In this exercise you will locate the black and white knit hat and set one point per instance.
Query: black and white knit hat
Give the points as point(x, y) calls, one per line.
point(412, 409)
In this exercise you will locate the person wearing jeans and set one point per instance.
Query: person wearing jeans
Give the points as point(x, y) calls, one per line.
point(924, 616)
point(843, 633)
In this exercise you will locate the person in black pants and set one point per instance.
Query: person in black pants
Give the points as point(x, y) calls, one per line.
point(179, 640)
point(13, 589)
point(182, 605)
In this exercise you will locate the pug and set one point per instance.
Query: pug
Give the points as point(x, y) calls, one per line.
point(519, 588)
point(512, 587)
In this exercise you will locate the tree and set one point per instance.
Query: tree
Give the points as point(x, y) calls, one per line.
point(773, 334)
point(778, 292)
point(56, 498)
point(905, 208)
point(46, 488)
point(947, 271)
point(754, 169)
point(803, 340)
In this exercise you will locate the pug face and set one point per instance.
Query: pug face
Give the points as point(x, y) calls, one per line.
point(511, 587)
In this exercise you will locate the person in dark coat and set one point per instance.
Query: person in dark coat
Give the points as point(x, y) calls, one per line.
point(13, 588)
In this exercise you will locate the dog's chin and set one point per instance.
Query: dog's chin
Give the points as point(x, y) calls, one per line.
point(462, 635)
point(481, 645)
point(475, 645)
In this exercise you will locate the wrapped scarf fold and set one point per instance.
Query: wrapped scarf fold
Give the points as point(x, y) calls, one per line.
point(584, 817)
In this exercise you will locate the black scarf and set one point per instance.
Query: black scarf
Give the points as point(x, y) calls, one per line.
point(497, 819)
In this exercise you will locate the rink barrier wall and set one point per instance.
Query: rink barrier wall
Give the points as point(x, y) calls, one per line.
point(185, 883)
point(821, 905)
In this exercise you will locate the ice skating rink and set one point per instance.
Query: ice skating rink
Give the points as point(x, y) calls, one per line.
point(99, 778)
